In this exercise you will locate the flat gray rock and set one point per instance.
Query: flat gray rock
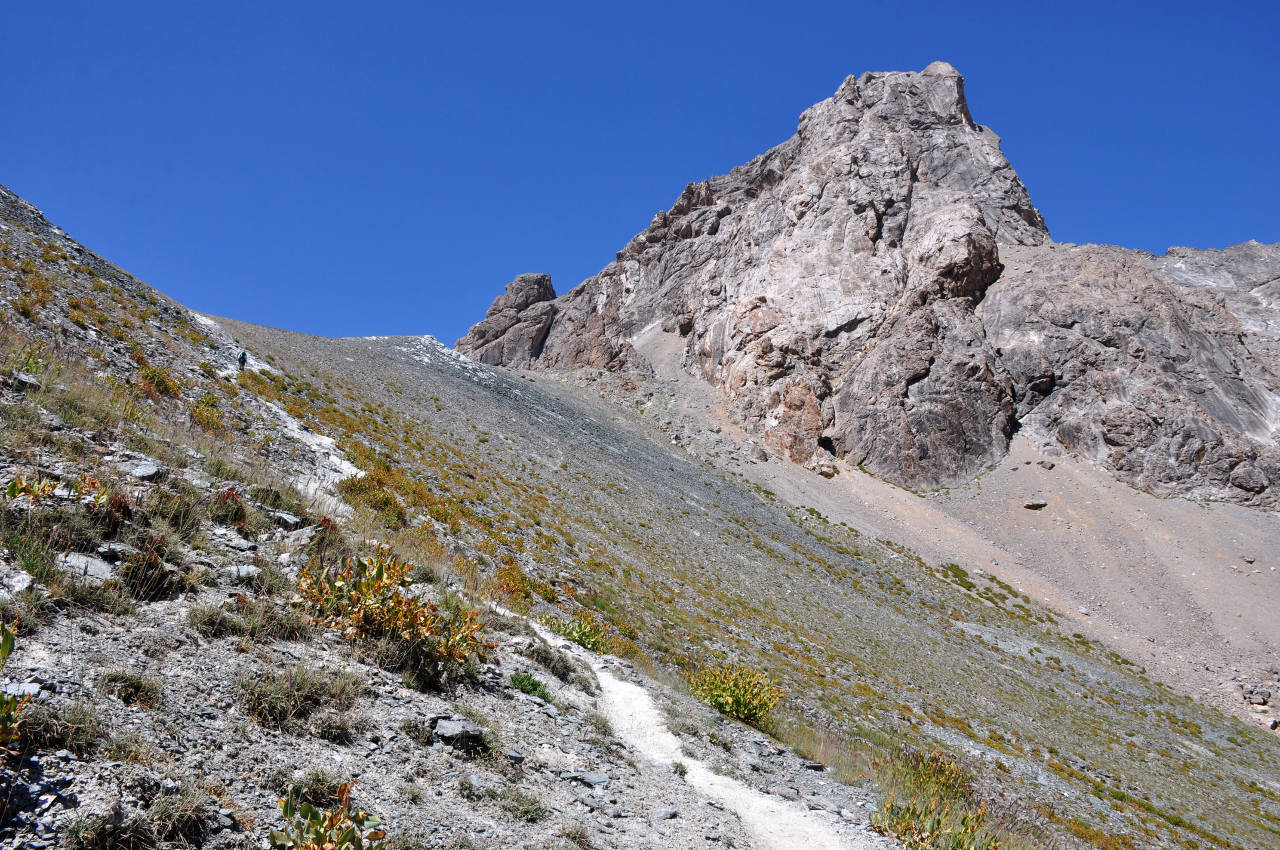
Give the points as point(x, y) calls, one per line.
point(146, 470)
point(12, 581)
point(83, 566)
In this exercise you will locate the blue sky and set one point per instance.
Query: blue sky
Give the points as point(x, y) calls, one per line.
point(350, 169)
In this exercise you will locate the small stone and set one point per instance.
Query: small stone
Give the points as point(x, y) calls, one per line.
point(1035, 504)
point(147, 470)
point(1046, 464)
point(820, 804)
point(115, 552)
point(286, 520)
point(25, 382)
point(12, 580)
point(666, 814)
point(240, 571)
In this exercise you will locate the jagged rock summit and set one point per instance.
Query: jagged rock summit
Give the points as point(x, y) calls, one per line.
point(880, 287)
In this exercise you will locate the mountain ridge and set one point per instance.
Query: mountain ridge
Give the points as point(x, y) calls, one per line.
point(837, 292)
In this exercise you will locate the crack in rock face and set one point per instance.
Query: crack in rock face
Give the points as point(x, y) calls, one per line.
point(838, 292)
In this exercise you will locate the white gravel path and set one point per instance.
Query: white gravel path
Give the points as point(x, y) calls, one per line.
point(774, 823)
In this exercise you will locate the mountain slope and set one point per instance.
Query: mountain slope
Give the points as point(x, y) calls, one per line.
point(530, 491)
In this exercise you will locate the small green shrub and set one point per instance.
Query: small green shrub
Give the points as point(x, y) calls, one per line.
point(552, 660)
point(147, 576)
point(584, 629)
point(130, 688)
point(364, 599)
point(75, 727)
point(156, 381)
point(934, 825)
point(368, 491)
point(284, 700)
point(738, 691)
point(531, 685)
point(522, 805)
point(205, 413)
point(310, 828)
point(928, 775)
point(228, 508)
point(316, 787)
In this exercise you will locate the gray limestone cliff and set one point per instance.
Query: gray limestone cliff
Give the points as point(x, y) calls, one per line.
point(880, 287)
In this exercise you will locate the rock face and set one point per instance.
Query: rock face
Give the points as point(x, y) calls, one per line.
point(1113, 360)
point(848, 294)
point(516, 325)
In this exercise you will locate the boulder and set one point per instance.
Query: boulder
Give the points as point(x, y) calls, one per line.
point(459, 733)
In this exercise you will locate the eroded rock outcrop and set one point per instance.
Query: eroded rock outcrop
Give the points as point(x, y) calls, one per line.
point(514, 329)
point(838, 292)
point(1114, 361)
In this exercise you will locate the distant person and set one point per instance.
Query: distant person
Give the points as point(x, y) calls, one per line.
point(242, 359)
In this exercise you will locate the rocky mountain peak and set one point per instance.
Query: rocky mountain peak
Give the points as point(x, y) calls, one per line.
point(830, 289)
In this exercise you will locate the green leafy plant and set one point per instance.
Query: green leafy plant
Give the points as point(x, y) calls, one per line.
point(584, 629)
point(364, 598)
point(310, 828)
point(739, 691)
point(11, 707)
point(934, 825)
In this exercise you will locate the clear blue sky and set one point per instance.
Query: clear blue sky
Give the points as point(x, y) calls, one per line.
point(360, 168)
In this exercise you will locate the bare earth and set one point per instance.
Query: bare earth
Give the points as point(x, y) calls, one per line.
point(1166, 582)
